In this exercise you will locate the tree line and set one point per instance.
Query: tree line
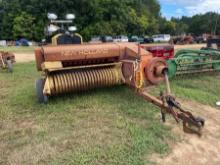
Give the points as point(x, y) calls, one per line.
point(198, 24)
point(28, 18)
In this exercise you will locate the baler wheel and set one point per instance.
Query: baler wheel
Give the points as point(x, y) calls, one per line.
point(39, 91)
point(9, 66)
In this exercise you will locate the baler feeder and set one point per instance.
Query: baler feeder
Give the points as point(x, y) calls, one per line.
point(75, 68)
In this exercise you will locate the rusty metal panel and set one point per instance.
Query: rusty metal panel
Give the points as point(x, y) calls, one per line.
point(129, 73)
point(81, 52)
point(39, 58)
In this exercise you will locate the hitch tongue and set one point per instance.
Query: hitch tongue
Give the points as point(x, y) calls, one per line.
point(167, 82)
point(191, 124)
point(194, 128)
point(169, 105)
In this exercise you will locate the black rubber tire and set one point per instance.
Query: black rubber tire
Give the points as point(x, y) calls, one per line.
point(39, 91)
point(9, 65)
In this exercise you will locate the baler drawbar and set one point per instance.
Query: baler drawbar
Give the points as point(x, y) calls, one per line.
point(76, 68)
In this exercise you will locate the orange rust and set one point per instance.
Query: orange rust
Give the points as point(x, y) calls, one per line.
point(39, 58)
point(151, 70)
point(88, 54)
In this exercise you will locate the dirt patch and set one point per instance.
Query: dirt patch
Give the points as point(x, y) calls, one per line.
point(24, 57)
point(191, 46)
point(193, 149)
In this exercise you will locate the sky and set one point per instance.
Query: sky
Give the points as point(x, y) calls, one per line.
point(178, 8)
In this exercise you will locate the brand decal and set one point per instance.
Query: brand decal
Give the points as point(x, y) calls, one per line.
point(84, 52)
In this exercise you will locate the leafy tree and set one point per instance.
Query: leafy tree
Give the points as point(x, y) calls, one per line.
point(167, 27)
point(181, 27)
point(199, 24)
point(23, 26)
point(153, 27)
point(93, 17)
point(136, 24)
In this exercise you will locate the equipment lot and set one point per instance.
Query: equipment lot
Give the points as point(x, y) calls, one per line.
point(107, 126)
point(26, 54)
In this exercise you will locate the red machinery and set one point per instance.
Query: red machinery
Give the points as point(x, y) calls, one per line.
point(163, 51)
point(75, 68)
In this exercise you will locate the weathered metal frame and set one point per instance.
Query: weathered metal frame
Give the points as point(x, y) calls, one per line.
point(139, 62)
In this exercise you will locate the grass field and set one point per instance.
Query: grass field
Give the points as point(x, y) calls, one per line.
point(104, 126)
point(203, 87)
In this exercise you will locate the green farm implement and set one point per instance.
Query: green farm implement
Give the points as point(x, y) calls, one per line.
point(188, 61)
